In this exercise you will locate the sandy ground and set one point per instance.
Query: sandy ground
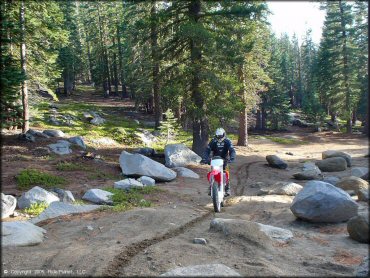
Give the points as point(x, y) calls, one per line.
point(150, 241)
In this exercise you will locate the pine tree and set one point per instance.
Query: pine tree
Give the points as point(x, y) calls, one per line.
point(169, 127)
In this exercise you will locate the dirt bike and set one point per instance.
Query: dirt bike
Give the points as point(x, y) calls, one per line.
point(217, 180)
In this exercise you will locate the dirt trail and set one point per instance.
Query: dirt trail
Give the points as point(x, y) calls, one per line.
point(150, 241)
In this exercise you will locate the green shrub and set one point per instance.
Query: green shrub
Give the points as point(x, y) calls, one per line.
point(69, 166)
point(29, 177)
point(126, 199)
point(36, 208)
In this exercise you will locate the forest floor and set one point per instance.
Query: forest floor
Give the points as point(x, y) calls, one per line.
point(151, 241)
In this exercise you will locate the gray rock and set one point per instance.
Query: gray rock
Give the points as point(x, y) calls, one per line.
point(98, 121)
point(21, 233)
point(361, 172)
point(251, 231)
point(331, 179)
point(59, 208)
point(40, 151)
point(27, 137)
point(322, 202)
point(285, 188)
point(145, 151)
point(139, 165)
point(178, 155)
point(78, 140)
point(185, 172)
point(54, 133)
point(65, 196)
point(363, 268)
point(36, 195)
point(198, 240)
point(311, 174)
point(8, 204)
point(332, 153)
point(104, 141)
point(147, 181)
point(61, 147)
point(276, 162)
point(358, 227)
point(363, 195)
point(352, 183)
point(127, 184)
point(206, 270)
point(332, 164)
point(145, 136)
point(37, 133)
point(88, 116)
point(98, 196)
point(308, 166)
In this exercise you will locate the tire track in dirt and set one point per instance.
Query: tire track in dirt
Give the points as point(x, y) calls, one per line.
point(239, 188)
point(124, 258)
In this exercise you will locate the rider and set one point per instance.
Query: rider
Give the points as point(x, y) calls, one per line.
point(221, 146)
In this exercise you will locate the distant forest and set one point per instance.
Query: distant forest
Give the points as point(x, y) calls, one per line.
point(211, 62)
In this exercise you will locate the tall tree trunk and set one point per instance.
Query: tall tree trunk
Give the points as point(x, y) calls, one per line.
point(263, 114)
point(106, 81)
point(115, 71)
point(258, 120)
point(155, 73)
point(200, 121)
point(345, 69)
point(243, 118)
point(120, 63)
point(26, 123)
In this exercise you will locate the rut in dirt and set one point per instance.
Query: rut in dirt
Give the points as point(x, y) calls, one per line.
point(124, 258)
point(239, 187)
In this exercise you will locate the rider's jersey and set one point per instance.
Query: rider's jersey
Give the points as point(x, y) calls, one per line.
point(220, 149)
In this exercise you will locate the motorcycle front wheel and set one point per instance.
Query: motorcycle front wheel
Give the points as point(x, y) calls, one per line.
point(215, 198)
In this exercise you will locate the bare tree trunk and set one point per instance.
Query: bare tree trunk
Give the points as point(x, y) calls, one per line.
point(115, 71)
point(258, 120)
point(243, 118)
point(26, 123)
point(346, 70)
point(200, 121)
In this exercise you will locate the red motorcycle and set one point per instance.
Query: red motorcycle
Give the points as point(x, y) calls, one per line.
point(217, 180)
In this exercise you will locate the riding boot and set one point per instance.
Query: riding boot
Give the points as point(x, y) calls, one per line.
point(227, 190)
point(209, 191)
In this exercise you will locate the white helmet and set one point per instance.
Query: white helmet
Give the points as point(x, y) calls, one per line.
point(220, 134)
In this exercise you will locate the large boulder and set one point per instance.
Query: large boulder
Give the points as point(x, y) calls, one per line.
point(185, 172)
point(65, 196)
point(178, 155)
point(259, 233)
point(332, 164)
point(137, 165)
point(54, 133)
point(309, 172)
point(363, 195)
point(352, 183)
point(331, 179)
point(21, 233)
point(323, 202)
point(8, 204)
point(276, 162)
point(205, 270)
point(285, 188)
point(98, 196)
point(331, 153)
point(37, 133)
point(127, 184)
point(358, 227)
point(61, 147)
point(36, 195)
point(59, 208)
point(361, 172)
point(78, 140)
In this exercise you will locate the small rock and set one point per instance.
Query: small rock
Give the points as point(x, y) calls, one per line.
point(332, 164)
point(90, 228)
point(127, 184)
point(54, 133)
point(332, 153)
point(358, 227)
point(36, 195)
point(26, 137)
point(8, 204)
point(331, 179)
point(199, 241)
point(276, 162)
point(352, 183)
point(147, 181)
point(98, 196)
